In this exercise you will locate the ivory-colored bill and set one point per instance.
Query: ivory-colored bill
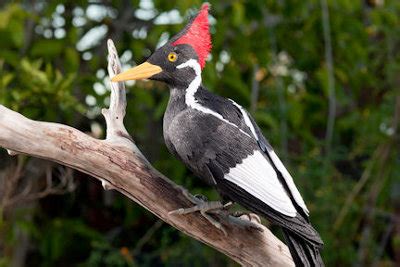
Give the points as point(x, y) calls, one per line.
point(143, 71)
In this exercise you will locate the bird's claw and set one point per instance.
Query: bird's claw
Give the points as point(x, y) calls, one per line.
point(204, 207)
point(250, 216)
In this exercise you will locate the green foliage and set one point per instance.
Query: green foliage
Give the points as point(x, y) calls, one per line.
point(47, 72)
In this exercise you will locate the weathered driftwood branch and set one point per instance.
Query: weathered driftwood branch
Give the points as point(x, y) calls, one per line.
point(118, 163)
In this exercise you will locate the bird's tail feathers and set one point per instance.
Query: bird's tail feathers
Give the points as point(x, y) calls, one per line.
point(304, 253)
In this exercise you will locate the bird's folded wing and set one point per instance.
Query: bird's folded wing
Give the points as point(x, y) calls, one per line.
point(275, 161)
point(267, 148)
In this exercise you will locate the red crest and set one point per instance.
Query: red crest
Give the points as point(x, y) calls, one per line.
point(197, 35)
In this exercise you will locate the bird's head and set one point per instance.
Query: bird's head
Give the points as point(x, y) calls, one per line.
point(181, 59)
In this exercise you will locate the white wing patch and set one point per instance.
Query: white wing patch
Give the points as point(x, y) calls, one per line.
point(256, 176)
point(289, 181)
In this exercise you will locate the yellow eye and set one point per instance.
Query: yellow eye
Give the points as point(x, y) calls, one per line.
point(172, 57)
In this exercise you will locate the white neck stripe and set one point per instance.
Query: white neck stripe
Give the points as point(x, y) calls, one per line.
point(191, 101)
point(194, 85)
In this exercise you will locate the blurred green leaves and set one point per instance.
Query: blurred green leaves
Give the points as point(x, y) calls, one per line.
point(39, 91)
point(11, 28)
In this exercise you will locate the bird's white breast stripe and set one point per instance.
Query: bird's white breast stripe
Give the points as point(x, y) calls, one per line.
point(257, 177)
point(191, 101)
point(246, 118)
point(289, 181)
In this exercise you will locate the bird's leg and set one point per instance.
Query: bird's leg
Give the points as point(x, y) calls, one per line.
point(204, 207)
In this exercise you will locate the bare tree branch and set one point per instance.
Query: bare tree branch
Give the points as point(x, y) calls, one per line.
point(118, 162)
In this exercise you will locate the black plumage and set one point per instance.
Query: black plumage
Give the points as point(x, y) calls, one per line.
point(221, 143)
point(209, 148)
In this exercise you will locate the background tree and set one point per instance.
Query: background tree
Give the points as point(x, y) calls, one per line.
point(270, 57)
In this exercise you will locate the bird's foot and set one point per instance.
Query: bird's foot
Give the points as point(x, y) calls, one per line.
point(204, 207)
point(246, 220)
